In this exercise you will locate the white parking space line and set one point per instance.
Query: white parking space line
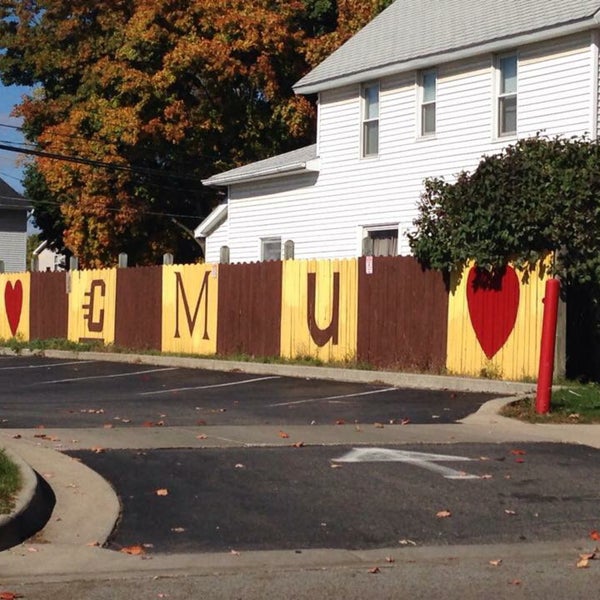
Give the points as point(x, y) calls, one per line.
point(207, 387)
point(333, 397)
point(111, 376)
point(60, 364)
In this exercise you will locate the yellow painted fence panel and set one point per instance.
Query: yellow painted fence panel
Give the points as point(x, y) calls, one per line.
point(92, 305)
point(14, 320)
point(496, 332)
point(190, 305)
point(319, 309)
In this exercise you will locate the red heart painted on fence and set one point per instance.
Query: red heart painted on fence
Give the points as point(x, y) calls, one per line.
point(493, 304)
point(13, 302)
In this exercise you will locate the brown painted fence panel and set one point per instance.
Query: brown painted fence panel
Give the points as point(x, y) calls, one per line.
point(49, 306)
point(402, 315)
point(249, 309)
point(139, 308)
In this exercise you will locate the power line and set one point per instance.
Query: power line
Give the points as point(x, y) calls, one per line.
point(142, 211)
point(95, 163)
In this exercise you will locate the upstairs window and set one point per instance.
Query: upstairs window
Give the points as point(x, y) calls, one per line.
point(270, 248)
point(428, 85)
point(507, 95)
point(370, 119)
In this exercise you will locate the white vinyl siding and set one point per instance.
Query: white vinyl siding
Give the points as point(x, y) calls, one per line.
point(323, 213)
point(13, 240)
point(219, 237)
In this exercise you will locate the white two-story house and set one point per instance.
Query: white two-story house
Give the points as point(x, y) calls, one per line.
point(426, 89)
point(14, 211)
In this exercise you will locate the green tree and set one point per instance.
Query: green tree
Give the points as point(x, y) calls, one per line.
point(539, 195)
point(148, 97)
point(155, 95)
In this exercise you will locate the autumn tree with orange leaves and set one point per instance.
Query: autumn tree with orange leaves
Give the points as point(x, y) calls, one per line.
point(135, 101)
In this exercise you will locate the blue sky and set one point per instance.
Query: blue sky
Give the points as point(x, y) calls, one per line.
point(10, 169)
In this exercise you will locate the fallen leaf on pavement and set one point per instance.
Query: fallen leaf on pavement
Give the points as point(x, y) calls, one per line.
point(407, 542)
point(515, 582)
point(97, 450)
point(162, 492)
point(510, 512)
point(108, 425)
point(378, 425)
point(283, 434)
point(234, 552)
point(93, 544)
point(496, 563)
point(486, 476)
point(340, 422)
point(405, 421)
point(9, 595)
point(595, 535)
point(133, 550)
point(583, 563)
point(518, 452)
point(298, 445)
point(202, 436)
point(390, 559)
point(374, 570)
point(443, 514)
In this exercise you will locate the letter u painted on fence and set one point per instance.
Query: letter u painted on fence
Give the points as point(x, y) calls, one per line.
point(331, 332)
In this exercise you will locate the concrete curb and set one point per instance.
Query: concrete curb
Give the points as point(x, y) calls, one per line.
point(33, 506)
point(77, 506)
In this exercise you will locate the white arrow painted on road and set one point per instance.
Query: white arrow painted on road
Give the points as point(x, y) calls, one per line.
point(420, 459)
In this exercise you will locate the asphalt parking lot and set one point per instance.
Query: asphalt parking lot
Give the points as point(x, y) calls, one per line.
point(42, 392)
point(180, 495)
point(179, 501)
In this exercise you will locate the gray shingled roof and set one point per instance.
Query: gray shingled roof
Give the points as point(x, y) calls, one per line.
point(10, 198)
point(419, 33)
point(294, 161)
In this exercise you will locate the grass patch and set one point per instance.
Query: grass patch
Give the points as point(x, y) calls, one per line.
point(10, 483)
point(572, 403)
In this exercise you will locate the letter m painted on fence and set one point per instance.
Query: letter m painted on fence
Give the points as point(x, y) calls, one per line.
point(181, 297)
